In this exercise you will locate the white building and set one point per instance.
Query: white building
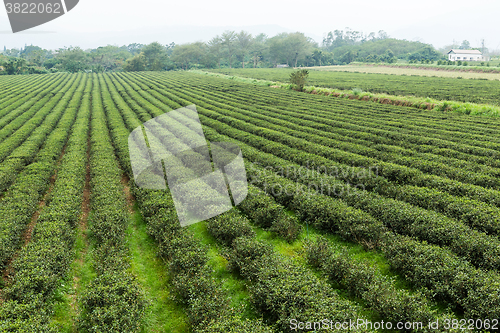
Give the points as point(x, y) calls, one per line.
point(465, 55)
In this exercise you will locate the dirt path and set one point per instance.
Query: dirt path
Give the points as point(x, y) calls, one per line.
point(128, 194)
point(8, 273)
point(82, 231)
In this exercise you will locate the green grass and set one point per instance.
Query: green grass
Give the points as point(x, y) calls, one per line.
point(235, 285)
point(163, 314)
point(79, 277)
point(375, 259)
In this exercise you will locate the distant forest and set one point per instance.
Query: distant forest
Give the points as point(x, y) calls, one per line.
point(228, 50)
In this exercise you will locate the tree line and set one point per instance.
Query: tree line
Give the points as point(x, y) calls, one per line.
point(230, 49)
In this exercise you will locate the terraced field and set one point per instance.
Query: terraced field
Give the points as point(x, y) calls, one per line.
point(355, 211)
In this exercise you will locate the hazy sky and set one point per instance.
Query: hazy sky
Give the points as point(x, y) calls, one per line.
point(98, 22)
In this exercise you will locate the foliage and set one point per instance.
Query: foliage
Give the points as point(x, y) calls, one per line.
point(266, 213)
point(353, 224)
point(364, 282)
point(299, 79)
point(43, 262)
point(231, 49)
point(229, 226)
point(195, 287)
point(430, 204)
point(439, 88)
point(112, 303)
point(135, 64)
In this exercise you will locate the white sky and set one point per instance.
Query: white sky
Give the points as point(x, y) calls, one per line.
point(98, 22)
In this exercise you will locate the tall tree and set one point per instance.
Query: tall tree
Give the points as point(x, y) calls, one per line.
point(244, 45)
point(228, 41)
point(215, 48)
point(155, 56)
point(135, 64)
point(135, 48)
point(297, 46)
point(317, 55)
point(188, 54)
point(465, 45)
point(72, 59)
point(276, 49)
point(258, 49)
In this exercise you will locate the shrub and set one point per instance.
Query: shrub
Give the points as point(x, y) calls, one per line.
point(112, 303)
point(363, 281)
point(267, 213)
point(357, 91)
point(203, 295)
point(245, 252)
point(229, 226)
point(299, 78)
point(287, 227)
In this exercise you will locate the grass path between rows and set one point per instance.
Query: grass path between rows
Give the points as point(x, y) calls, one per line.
point(297, 251)
point(163, 314)
point(81, 272)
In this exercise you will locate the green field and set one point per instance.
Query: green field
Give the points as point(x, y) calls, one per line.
point(355, 210)
point(439, 88)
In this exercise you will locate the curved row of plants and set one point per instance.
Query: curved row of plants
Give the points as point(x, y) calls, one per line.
point(330, 125)
point(264, 211)
point(448, 277)
point(42, 264)
point(480, 249)
point(454, 262)
point(477, 213)
point(18, 86)
point(283, 226)
point(21, 200)
point(353, 114)
point(477, 247)
point(414, 102)
point(20, 128)
point(378, 291)
point(452, 89)
point(113, 301)
point(335, 121)
point(12, 83)
point(433, 124)
point(472, 212)
point(10, 104)
point(276, 283)
point(23, 154)
point(456, 169)
point(27, 106)
point(205, 299)
point(317, 137)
